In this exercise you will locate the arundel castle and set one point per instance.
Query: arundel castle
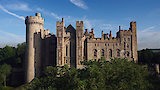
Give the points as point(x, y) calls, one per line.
point(72, 45)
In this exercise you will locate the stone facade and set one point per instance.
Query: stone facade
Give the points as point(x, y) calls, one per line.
point(73, 45)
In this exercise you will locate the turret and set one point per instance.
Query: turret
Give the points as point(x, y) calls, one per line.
point(107, 35)
point(110, 35)
point(79, 28)
point(79, 36)
point(86, 32)
point(134, 41)
point(60, 42)
point(33, 25)
point(92, 31)
point(119, 27)
point(102, 34)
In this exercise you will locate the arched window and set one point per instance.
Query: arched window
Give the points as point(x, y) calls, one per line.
point(66, 50)
point(110, 52)
point(102, 53)
point(118, 53)
point(95, 53)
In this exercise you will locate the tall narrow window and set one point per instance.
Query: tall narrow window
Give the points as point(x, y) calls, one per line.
point(66, 61)
point(66, 50)
point(102, 54)
point(118, 53)
point(124, 44)
point(128, 54)
point(95, 53)
point(110, 52)
point(127, 46)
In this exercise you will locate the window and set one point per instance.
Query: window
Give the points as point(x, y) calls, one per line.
point(66, 61)
point(118, 53)
point(66, 50)
point(95, 53)
point(128, 39)
point(124, 44)
point(124, 39)
point(127, 46)
point(95, 44)
point(110, 52)
point(108, 44)
point(128, 54)
point(102, 54)
point(105, 44)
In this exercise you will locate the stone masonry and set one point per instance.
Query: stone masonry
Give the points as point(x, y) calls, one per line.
point(72, 45)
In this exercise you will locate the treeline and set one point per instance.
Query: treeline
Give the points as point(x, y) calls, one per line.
point(147, 56)
point(11, 61)
point(12, 56)
point(118, 74)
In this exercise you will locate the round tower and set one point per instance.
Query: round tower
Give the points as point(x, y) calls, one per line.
point(33, 25)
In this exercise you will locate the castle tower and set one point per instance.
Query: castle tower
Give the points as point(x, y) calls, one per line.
point(79, 43)
point(60, 42)
point(134, 41)
point(33, 25)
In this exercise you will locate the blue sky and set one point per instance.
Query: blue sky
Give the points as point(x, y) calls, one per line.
point(101, 15)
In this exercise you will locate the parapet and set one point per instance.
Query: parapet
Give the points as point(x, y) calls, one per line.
point(133, 22)
point(34, 20)
point(60, 23)
point(79, 23)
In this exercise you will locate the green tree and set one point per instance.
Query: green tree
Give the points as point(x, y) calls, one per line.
point(145, 56)
point(7, 52)
point(117, 74)
point(21, 48)
point(5, 71)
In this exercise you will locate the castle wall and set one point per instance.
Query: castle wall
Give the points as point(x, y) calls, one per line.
point(33, 25)
point(102, 48)
point(71, 46)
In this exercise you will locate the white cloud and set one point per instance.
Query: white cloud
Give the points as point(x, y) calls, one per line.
point(87, 24)
point(18, 6)
point(49, 13)
point(106, 27)
point(79, 3)
point(149, 37)
point(55, 15)
point(7, 38)
point(13, 14)
point(17, 38)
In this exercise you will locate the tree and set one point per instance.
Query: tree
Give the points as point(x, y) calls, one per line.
point(145, 56)
point(5, 71)
point(7, 52)
point(117, 74)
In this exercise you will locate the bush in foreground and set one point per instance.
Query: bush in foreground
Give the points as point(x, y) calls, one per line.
point(116, 74)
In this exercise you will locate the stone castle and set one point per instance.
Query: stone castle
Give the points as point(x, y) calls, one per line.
point(72, 45)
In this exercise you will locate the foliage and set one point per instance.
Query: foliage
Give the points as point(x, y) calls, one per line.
point(116, 74)
point(5, 70)
point(147, 56)
point(12, 56)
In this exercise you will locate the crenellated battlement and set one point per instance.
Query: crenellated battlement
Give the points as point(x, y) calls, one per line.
point(60, 23)
point(79, 23)
point(107, 40)
point(37, 19)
